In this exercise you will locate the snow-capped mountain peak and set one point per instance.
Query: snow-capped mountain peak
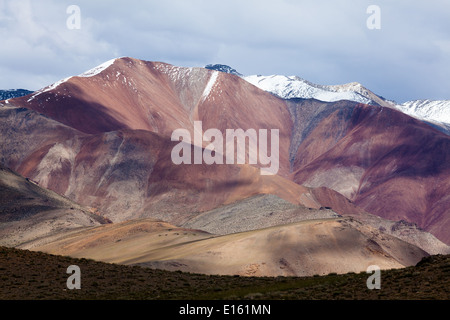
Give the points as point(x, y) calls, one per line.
point(289, 87)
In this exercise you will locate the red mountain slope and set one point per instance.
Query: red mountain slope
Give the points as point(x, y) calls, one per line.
point(387, 163)
point(103, 139)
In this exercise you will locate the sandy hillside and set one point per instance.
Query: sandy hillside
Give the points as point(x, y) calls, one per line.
point(304, 248)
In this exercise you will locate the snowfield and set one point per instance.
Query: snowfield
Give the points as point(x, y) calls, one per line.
point(289, 87)
point(429, 110)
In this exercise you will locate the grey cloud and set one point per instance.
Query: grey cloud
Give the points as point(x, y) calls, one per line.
point(323, 41)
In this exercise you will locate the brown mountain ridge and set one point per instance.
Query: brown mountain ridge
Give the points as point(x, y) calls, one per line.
point(103, 140)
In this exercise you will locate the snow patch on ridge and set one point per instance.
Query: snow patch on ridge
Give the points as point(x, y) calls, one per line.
point(211, 82)
point(90, 73)
point(94, 71)
point(48, 88)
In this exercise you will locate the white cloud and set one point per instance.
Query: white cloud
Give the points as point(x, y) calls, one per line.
point(37, 45)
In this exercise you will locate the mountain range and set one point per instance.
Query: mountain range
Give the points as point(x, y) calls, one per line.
point(359, 181)
point(434, 112)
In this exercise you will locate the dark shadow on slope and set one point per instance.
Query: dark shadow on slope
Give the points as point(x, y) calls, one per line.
point(72, 110)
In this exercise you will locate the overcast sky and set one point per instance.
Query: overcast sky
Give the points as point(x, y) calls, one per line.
point(325, 42)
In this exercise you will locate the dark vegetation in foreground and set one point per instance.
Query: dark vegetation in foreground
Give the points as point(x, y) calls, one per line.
point(34, 275)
